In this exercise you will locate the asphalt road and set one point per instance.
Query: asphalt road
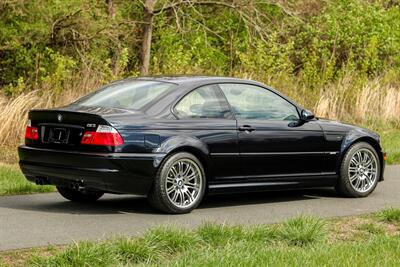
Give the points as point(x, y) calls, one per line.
point(43, 219)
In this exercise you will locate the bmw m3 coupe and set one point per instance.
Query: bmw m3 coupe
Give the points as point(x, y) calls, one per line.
point(173, 139)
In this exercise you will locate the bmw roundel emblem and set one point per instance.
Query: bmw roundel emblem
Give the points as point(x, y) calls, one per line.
point(59, 117)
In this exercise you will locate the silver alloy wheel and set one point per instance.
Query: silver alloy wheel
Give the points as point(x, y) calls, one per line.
point(363, 170)
point(183, 183)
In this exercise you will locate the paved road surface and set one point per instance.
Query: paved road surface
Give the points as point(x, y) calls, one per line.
point(42, 219)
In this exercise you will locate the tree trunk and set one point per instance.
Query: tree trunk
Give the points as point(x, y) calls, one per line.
point(147, 36)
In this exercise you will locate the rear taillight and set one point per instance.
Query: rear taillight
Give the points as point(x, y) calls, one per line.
point(104, 136)
point(31, 132)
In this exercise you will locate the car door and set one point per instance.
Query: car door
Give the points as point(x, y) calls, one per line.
point(204, 113)
point(273, 141)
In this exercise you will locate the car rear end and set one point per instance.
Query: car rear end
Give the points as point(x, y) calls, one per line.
point(82, 151)
point(96, 143)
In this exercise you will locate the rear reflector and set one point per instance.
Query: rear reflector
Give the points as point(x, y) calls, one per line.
point(103, 136)
point(31, 133)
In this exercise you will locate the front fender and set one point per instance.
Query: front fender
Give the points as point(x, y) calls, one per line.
point(363, 135)
point(360, 134)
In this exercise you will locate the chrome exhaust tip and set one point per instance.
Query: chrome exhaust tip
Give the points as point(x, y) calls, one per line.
point(41, 181)
point(78, 186)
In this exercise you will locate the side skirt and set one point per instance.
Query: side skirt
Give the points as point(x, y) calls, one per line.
point(266, 184)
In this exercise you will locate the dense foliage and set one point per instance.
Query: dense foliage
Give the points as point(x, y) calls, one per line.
point(51, 41)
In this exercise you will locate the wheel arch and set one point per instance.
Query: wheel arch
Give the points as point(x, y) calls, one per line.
point(369, 140)
point(187, 144)
point(195, 152)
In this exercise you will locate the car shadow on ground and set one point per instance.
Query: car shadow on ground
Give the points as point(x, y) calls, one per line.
point(241, 199)
point(122, 204)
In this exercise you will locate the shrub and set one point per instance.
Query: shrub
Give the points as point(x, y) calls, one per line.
point(303, 230)
point(390, 215)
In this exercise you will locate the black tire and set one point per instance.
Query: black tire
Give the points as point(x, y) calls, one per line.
point(79, 196)
point(344, 186)
point(158, 197)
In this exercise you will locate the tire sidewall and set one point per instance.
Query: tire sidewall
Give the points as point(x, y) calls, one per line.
point(162, 177)
point(345, 180)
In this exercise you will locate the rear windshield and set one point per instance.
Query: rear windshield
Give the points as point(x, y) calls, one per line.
point(127, 95)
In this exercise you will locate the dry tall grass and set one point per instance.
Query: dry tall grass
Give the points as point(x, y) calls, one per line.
point(372, 101)
point(13, 116)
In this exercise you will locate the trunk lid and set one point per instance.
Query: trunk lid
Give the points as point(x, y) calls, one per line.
point(63, 128)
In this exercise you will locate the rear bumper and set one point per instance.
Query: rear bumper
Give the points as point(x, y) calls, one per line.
point(131, 173)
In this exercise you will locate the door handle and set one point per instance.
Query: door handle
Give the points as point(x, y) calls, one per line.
point(246, 128)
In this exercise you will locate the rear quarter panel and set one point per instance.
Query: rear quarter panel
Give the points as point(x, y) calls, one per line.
point(202, 137)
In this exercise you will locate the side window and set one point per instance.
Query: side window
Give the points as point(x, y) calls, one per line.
point(204, 102)
point(254, 102)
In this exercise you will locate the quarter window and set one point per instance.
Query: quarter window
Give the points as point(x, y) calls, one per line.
point(204, 102)
point(254, 102)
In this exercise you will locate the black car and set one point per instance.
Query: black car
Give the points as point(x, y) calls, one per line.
point(173, 139)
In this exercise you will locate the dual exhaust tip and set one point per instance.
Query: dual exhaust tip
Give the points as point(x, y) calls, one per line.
point(41, 181)
point(77, 185)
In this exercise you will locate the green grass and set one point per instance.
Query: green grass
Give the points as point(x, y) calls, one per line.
point(371, 228)
point(302, 241)
point(390, 215)
point(391, 145)
point(303, 230)
point(12, 182)
point(378, 251)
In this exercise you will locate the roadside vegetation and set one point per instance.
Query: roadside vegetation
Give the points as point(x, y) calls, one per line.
point(371, 240)
point(337, 58)
point(391, 145)
point(12, 182)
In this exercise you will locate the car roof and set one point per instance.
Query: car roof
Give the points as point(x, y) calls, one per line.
point(187, 82)
point(189, 79)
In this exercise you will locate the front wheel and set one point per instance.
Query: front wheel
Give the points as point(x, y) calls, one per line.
point(79, 196)
point(179, 185)
point(359, 171)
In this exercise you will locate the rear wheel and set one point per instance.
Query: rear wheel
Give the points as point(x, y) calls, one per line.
point(360, 171)
point(79, 196)
point(179, 185)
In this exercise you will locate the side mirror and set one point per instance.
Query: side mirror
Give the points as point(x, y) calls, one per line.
point(307, 115)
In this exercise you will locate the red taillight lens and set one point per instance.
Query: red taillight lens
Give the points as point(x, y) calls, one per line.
point(31, 132)
point(103, 136)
